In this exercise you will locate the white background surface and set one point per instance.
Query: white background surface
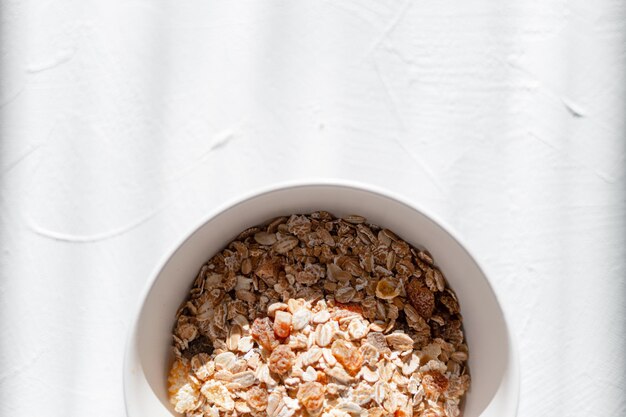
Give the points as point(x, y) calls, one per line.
point(122, 124)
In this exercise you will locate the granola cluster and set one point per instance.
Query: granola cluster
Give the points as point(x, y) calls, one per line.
point(311, 315)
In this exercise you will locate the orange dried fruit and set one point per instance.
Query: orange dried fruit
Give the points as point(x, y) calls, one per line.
point(257, 398)
point(434, 382)
point(387, 289)
point(347, 355)
point(282, 324)
point(311, 395)
point(281, 360)
point(263, 333)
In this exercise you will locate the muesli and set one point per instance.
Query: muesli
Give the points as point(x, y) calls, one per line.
point(312, 315)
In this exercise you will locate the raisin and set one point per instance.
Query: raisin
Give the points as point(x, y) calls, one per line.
point(311, 395)
point(263, 333)
point(281, 360)
point(347, 355)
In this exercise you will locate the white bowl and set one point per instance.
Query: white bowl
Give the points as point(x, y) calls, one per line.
point(493, 362)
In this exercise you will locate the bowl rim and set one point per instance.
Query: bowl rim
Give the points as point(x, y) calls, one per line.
point(305, 183)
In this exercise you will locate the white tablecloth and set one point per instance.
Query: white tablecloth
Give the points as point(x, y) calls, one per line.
point(123, 123)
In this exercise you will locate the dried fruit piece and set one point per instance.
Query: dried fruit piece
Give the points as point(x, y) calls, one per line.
point(311, 396)
point(387, 289)
point(182, 391)
point(434, 383)
point(282, 324)
point(347, 355)
point(281, 360)
point(263, 332)
point(421, 298)
point(257, 398)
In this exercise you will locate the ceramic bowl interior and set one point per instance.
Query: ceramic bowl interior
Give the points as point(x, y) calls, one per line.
point(492, 363)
